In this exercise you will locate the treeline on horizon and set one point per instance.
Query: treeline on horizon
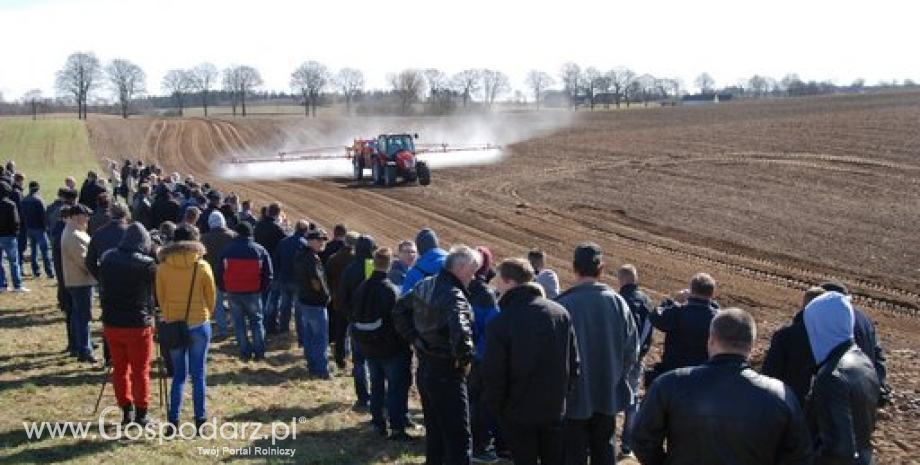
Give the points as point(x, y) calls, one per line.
point(121, 87)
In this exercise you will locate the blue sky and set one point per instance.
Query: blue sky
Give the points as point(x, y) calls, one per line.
point(730, 40)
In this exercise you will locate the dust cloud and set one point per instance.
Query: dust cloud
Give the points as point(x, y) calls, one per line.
point(328, 137)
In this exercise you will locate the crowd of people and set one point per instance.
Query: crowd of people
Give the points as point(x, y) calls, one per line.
point(509, 365)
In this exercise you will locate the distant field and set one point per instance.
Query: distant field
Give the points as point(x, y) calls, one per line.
point(47, 150)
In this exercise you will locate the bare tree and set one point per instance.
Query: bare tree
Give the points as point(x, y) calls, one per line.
point(438, 91)
point(409, 85)
point(494, 85)
point(204, 77)
point(618, 78)
point(592, 81)
point(628, 80)
point(571, 81)
point(706, 83)
point(33, 98)
point(538, 81)
point(466, 83)
point(78, 78)
point(350, 81)
point(127, 80)
point(240, 81)
point(310, 78)
point(177, 82)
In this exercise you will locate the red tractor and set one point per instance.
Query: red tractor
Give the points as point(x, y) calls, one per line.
point(389, 157)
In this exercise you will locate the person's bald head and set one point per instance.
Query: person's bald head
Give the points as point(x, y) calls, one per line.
point(732, 331)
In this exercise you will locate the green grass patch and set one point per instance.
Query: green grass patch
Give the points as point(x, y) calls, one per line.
point(47, 150)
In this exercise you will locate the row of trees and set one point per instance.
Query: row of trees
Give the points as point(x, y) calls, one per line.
point(83, 74)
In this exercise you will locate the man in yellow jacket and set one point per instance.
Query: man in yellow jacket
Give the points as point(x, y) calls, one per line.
point(78, 280)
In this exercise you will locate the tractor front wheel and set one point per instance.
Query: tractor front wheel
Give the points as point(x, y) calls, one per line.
point(424, 174)
point(359, 170)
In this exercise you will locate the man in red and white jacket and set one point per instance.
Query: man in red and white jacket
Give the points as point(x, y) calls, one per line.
point(243, 273)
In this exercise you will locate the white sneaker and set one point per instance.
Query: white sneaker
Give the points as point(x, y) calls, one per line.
point(21, 289)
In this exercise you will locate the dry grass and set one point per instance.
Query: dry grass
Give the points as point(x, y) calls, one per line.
point(39, 383)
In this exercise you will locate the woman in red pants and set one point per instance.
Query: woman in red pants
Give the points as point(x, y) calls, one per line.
point(126, 278)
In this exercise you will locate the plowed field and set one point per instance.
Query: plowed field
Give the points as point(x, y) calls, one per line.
point(769, 197)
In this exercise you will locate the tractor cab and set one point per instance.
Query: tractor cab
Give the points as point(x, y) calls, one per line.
point(392, 144)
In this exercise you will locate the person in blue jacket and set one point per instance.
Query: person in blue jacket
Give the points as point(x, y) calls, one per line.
point(431, 259)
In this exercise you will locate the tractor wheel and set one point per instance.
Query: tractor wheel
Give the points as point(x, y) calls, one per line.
point(391, 176)
point(424, 174)
point(377, 174)
point(359, 170)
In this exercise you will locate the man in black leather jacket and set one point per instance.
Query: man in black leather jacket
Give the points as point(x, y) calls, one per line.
point(722, 412)
point(126, 278)
point(841, 405)
point(436, 318)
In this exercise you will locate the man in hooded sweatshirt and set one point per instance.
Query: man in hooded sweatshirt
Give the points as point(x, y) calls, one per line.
point(431, 259)
point(126, 283)
point(355, 274)
point(841, 406)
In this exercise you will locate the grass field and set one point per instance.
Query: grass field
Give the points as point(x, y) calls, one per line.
point(47, 150)
point(39, 383)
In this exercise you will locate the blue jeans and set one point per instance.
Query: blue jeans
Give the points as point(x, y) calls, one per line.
point(247, 307)
point(629, 416)
point(270, 304)
point(190, 359)
point(10, 247)
point(390, 382)
point(287, 300)
point(81, 304)
point(359, 371)
point(220, 315)
point(39, 242)
point(316, 338)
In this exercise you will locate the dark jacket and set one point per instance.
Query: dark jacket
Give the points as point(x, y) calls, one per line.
point(9, 217)
point(53, 213)
point(33, 212)
point(789, 358)
point(686, 329)
point(332, 247)
point(9, 212)
point(436, 318)
point(313, 289)
point(531, 360)
point(126, 278)
point(398, 272)
point(285, 257)
point(335, 268)
point(640, 305)
point(89, 193)
point(485, 309)
point(376, 339)
point(215, 243)
point(99, 218)
point(841, 407)
point(268, 233)
point(106, 238)
point(720, 413)
point(608, 347)
point(864, 335)
point(164, 209)
point(143, 213)
point(355, 273)
point(244, 267)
